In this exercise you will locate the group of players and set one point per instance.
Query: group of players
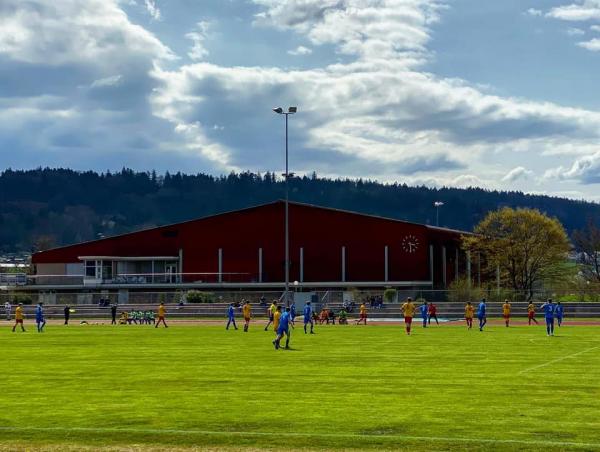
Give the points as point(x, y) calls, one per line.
point(282, 319)
point(40, 317)
point(551, 311)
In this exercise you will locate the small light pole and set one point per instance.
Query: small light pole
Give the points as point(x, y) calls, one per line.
point(291, 111)
point(437, 205)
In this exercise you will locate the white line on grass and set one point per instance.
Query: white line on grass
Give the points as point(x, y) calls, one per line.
point(299, 435)
point(558, 360)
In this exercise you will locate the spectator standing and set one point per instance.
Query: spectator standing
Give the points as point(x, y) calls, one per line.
point(7, 309)
point(113, 313)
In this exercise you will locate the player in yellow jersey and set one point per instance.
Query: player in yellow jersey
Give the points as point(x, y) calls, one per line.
point(161, 315)
point(506, 312)
point(469, 314)
point(531, 313)
point(362, 314)
point(408, 309)
point(271, 313)
point(19, 317)
point(276, 317)
point(247, 313)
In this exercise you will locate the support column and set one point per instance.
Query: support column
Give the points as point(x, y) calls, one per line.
point(220, 279)
point(179, 277)
point(469, 268)
point(260, 265)
point(498, 279)
point(343, 264)
point(478, 269)
point(152, 277)
point(301, 264)
point(431, 265)
point(386, 256)
point(456, 264)
point(444, 266)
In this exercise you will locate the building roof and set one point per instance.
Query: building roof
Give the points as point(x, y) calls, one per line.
point(258, 206)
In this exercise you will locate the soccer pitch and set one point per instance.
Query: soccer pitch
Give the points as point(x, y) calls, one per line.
point(443, 388)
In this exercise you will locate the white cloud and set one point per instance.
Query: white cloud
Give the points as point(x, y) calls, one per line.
point(97, 76)
point(98, 31)
point(516, 174)
point(592, 44)
point(585, 170)
point(367, 29)
point(534, 12)
point(467, 180)
point(152, 9)
point(300, 50)
point(198, 50)
point(112, 80)
point(580, 11)
point(373, 113)
point(380, 108)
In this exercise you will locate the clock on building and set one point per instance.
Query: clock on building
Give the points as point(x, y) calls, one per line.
point(410, 243)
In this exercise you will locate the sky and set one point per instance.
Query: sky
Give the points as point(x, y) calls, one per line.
point(496, 94)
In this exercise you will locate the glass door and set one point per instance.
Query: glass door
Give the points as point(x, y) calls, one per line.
point(171, 273)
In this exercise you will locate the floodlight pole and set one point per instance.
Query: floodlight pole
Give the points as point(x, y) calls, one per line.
point(287, 218)
point(290, 111)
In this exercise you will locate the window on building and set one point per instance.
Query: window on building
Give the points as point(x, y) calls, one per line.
point(90, 269)
point(107, 270)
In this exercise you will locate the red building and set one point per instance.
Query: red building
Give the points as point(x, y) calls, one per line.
point(328, 248)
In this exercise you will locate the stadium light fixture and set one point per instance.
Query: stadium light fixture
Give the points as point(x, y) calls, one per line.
point(437, 205)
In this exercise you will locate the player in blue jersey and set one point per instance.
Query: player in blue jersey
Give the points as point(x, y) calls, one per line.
point(549, 307)
point(283, 329)
point(424, 309)
point(39, 318)
point(481, 314)
point(558, 313)
point(308, 317)
point(231, 316)
point(293, 312)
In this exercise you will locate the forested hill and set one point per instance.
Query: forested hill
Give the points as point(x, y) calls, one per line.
point(49, 207)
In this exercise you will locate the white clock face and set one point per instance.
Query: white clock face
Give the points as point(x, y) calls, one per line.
point(410, 244)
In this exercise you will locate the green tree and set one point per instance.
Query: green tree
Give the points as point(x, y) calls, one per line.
point(587, 246)
point(527, 246)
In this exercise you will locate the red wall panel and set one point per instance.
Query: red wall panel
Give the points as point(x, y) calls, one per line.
point(321, 232)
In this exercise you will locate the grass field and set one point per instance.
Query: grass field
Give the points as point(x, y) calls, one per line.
point(444, 388)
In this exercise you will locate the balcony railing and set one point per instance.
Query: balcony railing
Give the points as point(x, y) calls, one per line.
point(139, 279)
point(13, 279)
